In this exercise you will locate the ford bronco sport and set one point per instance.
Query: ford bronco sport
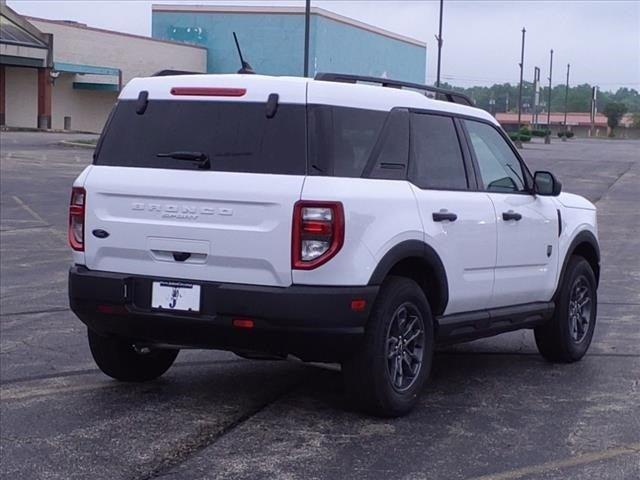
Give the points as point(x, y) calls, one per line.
point(339, 219)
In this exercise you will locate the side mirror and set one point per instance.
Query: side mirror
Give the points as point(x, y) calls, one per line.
point(547, 184)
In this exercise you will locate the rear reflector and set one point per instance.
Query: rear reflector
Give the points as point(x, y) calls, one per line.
point(112, 309)
point(209, 91)
point(358, 305)
point(242, 323)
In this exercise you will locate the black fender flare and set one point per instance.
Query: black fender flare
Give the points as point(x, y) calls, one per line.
point(587, 237)
point(415, 249)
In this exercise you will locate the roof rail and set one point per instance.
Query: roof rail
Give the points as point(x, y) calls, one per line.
point(441, 93)
point(168, 73)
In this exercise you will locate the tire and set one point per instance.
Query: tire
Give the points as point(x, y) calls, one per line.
point(120, 360)
point(371, 375)
point(567, 336)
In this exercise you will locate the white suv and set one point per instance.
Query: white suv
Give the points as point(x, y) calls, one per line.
point(337, 219)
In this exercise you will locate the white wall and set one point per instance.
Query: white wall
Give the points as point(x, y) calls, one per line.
point(88, 109)
point(135, 56)
point(21, 104)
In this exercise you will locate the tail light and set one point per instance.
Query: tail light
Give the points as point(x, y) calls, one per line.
point(318, 233)
point(76, 218)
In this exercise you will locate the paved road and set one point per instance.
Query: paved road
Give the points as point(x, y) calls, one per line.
point(494, 409)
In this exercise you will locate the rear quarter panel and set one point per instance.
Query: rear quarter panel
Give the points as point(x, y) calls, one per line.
point(378, 215)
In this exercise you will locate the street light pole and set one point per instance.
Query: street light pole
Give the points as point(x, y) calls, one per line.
point(439, 39)
point(519, 143)
point(566, 99)
point(307, 17)
point(547, 138)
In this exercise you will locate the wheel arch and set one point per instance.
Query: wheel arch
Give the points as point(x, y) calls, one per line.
point(586, 246)
point(416, 260)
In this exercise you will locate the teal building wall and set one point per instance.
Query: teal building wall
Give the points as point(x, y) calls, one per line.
point(273, 43)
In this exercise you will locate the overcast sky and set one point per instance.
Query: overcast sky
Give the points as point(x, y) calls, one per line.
point(601, 39)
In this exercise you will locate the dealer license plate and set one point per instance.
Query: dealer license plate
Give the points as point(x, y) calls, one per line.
point(175, 296)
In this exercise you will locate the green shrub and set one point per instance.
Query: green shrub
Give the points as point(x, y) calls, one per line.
point(515, 136)
point(539, 133)
point(565, 134)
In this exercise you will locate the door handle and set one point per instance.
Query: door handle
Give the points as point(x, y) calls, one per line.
point(442, 216)
point(511, 215)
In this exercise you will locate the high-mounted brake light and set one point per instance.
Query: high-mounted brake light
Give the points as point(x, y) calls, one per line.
point(76, 218)
point(318, 233)
point(208, 91)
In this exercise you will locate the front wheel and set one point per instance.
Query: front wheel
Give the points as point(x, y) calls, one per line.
point(567, 336)
point(124, 361)
point(387, 373)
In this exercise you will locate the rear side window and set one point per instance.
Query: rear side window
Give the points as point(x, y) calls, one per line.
point(436, 158)
point(236, 136)
point(341, 139)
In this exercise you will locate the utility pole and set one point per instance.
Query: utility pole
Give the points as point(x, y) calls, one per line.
point(439, 39)
point(566, 100)
point(307, 18)
point(547, 138)
point(518, 142)
point(594, 93)
point(536, 96)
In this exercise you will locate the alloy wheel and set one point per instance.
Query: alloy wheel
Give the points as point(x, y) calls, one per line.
point(404, 346)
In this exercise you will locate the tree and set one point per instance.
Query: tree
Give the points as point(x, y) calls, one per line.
point(614, 112)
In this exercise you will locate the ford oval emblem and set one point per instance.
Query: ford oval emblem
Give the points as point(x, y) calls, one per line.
point(100, 233)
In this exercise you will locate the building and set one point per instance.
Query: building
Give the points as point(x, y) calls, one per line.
point(272, 41)
point(66, 75)
point(577, 122)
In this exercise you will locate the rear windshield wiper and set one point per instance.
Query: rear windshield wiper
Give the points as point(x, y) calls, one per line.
point(203, 158)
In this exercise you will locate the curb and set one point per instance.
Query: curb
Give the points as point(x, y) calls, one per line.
point(69, 143)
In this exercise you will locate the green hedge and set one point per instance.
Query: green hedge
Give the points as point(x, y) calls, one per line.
point(540, 133)
point(515, 136)
point(566, 134)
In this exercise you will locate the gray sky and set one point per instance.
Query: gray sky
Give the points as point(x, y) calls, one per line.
point(601, 39)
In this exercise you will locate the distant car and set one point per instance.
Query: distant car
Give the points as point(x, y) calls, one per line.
point(324, 218)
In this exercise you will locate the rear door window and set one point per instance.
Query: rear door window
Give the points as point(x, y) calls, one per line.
point(341, 139)
point(236, 136)
point(436, 160)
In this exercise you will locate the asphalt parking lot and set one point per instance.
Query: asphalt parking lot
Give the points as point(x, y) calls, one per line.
point(494, 408)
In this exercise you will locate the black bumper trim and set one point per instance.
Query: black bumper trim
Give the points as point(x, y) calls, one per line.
point(306, 321)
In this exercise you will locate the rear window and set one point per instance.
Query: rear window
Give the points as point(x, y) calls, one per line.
point(235, 136)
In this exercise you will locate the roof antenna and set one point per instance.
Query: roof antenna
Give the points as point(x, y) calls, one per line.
point(246, 68)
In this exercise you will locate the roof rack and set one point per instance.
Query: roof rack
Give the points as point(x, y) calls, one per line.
point(441, 93)
point(168, 73)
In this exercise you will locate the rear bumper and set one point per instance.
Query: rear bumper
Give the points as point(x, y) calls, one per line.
point(311, 322)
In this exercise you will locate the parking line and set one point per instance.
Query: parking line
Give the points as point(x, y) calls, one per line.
point(37, 216)
point(584, 459)
point(29, 210)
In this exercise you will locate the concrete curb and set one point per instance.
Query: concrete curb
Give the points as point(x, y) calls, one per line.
point(70, 143)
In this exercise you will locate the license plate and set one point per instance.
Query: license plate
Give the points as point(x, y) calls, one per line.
point(175, 296)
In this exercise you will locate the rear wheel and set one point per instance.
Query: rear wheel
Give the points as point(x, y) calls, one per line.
point(567, 336)
point(388, 372)
point(125, 361)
